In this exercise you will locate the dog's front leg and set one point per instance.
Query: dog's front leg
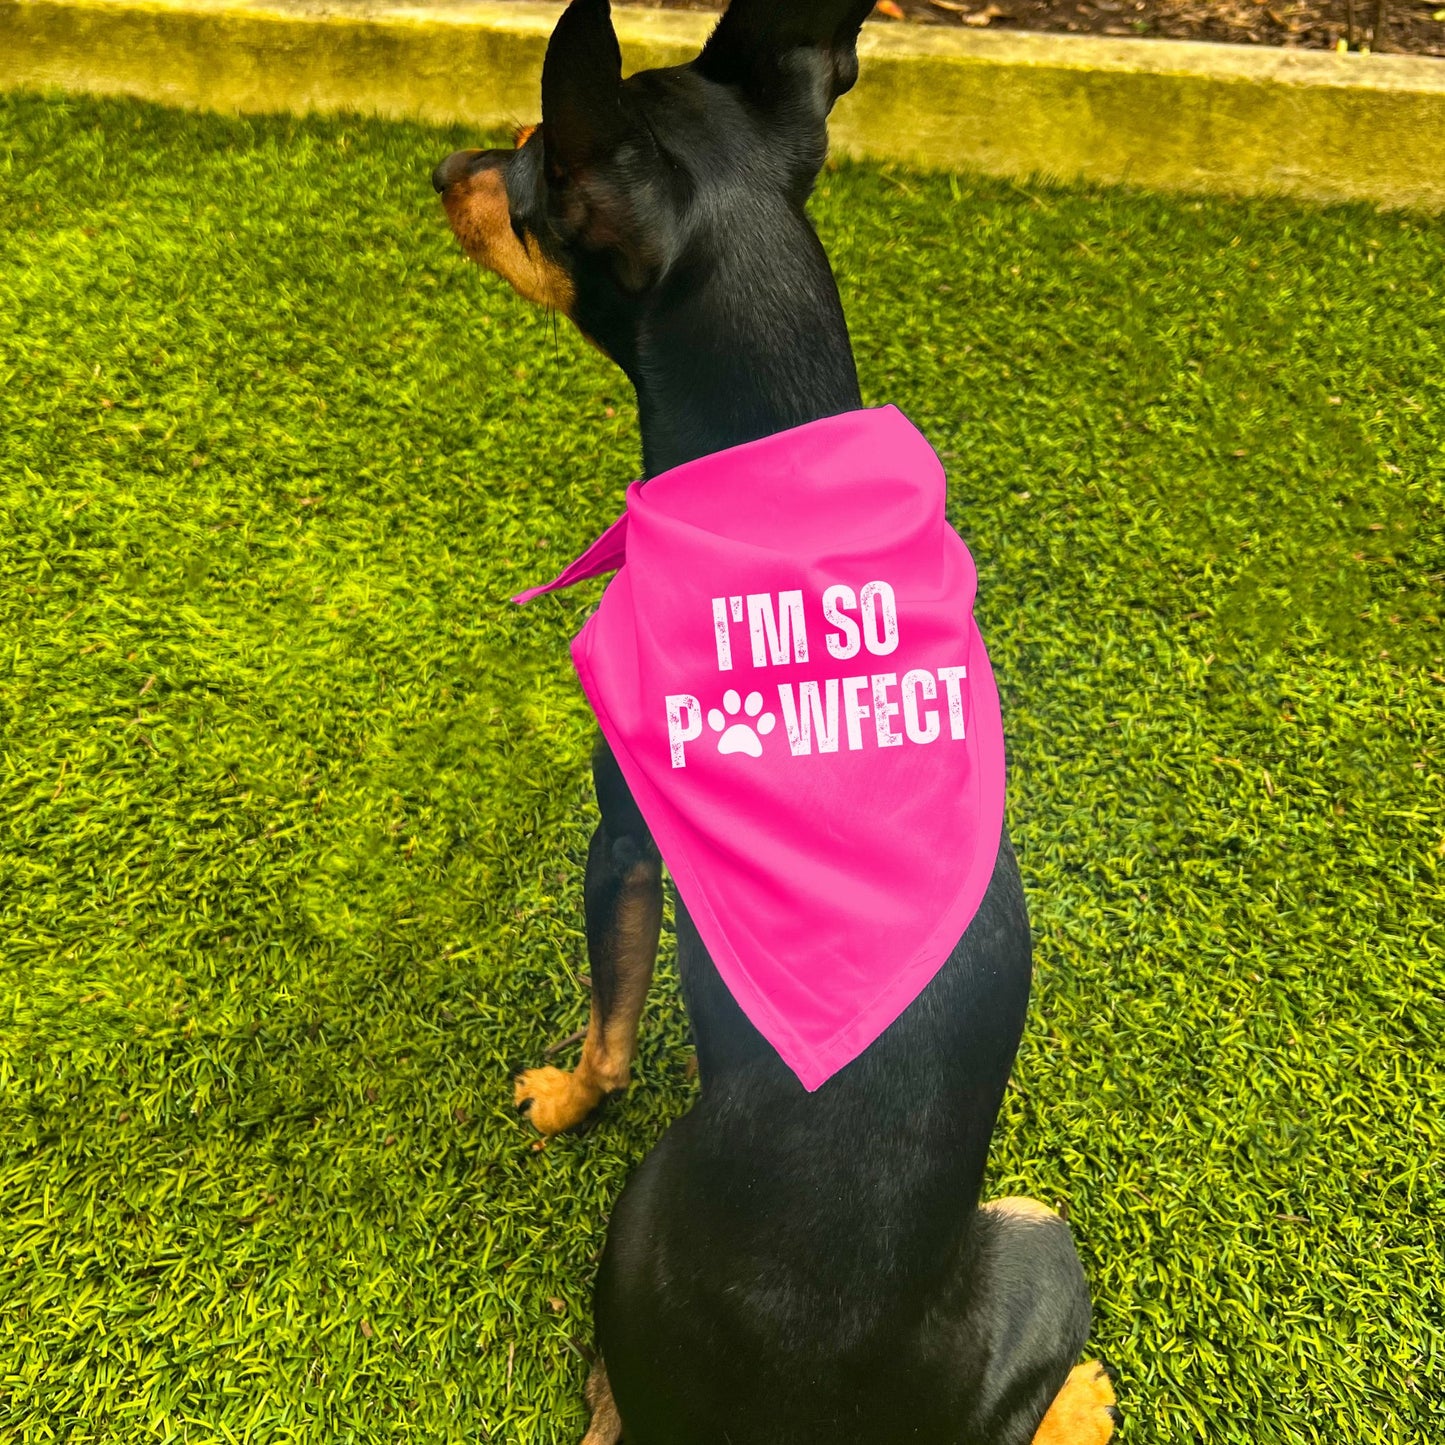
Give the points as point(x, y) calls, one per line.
point(622, 897)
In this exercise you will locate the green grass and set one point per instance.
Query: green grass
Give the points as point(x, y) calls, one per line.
point(293, 803)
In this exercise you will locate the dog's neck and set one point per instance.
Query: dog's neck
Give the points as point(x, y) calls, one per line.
point(753, 350)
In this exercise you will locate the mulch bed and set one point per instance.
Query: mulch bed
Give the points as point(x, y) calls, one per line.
point(1399, 26)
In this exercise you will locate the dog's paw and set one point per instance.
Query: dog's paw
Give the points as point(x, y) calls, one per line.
point(555, 1100)
point(1084, 1412)
point(606, 1426)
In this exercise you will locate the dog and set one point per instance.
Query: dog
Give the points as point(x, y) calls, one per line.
point(785, 1267)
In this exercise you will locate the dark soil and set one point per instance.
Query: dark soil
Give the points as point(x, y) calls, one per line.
point(1400, 26)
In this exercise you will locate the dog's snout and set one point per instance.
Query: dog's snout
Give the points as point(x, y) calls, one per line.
point(456, 167)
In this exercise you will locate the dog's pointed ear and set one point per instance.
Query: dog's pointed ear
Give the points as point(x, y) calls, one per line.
point(582, 120)
point(758, 43)
point(587, 126)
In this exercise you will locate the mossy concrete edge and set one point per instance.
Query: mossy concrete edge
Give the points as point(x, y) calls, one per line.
point(1164, 115)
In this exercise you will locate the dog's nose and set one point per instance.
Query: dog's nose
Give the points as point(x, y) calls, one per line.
point(456, 166)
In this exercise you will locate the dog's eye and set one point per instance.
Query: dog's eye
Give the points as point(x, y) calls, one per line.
point(522, 135)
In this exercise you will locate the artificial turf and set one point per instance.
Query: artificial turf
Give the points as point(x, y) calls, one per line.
point(293, 803)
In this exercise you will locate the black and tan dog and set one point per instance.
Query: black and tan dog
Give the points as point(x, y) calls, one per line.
point(785, 1268)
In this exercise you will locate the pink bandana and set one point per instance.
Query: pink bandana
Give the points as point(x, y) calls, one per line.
point(787, 668)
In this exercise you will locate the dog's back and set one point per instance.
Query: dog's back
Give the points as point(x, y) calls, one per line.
point(787, 1267)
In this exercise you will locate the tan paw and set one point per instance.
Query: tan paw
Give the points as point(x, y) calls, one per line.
point(554, 1099)
point(606, 1426)
point(1084, 1412)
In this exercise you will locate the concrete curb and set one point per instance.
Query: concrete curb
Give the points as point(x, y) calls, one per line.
point(1163, 114)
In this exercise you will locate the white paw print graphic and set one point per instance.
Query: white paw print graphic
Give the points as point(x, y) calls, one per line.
point(740, 737)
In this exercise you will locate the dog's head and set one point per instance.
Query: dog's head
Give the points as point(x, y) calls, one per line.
point(696, 172)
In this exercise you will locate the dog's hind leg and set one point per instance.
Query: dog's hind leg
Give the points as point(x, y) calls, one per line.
point(1034, 1294)
point(606, 1426)
point(1008, 1333)
point(622, 897)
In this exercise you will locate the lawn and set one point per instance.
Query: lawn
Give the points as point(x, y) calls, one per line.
point(293, 804)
